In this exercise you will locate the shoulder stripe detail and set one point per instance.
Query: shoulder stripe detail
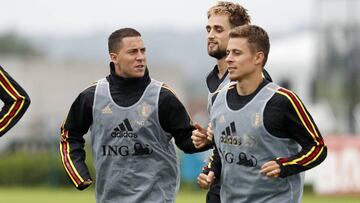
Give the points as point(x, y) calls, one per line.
point(92, 84)
point(315, 151)
point(170, 89)
point(300, 110)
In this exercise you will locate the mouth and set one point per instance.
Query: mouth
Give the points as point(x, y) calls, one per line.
point(140, 67)
point(212, 44)
point(231, 68)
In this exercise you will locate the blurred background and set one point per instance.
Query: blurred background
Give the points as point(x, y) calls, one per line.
point(55, 49)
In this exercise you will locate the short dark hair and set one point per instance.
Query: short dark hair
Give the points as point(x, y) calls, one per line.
point(237, 14)
point(116, 37)
point(256, 36)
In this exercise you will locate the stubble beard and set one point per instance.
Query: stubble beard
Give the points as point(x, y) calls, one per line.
point(218, 53)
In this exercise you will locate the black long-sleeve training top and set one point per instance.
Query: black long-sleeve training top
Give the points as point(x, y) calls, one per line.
point(173, 118)
point(16, 102)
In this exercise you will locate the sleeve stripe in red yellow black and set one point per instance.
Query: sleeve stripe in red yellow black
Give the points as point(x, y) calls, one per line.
point(65, 155)
point(315, 150)
point(15, 107)
point(67, 166)
point(302, 114)
point(211, 158)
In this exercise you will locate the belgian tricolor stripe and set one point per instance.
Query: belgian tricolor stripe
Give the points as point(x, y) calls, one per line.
point(211, 158)
point(15, 107)
point(66, 160)
point(316, 150)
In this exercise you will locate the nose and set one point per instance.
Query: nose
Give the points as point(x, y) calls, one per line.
point(140, 56)
point(228, 58)
point(211, 34)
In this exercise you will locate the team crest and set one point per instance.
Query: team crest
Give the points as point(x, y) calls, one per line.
point(256, 120)
point(145, 109)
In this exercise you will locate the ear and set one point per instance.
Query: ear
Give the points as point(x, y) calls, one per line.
point(259, 58)
point(113, 58)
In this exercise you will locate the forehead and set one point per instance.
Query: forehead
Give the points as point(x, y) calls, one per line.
point(238, 43)
point(219, 20)
point(132, 43)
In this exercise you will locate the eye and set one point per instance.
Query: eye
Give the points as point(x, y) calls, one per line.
point(208, 29)
point(237, 52)
point(132, 51)
point(219, 30)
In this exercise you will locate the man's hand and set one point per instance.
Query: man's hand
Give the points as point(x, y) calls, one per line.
point(271, 169)
point(204, 181)
point(199, 137)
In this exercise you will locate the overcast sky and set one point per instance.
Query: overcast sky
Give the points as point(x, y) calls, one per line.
point(74, 17)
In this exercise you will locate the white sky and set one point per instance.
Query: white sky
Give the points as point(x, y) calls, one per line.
point(69, 17)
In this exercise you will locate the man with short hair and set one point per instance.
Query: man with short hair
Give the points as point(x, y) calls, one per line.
point(264, 134)
point(221, 18)
point(133, 119)
point(16, 102)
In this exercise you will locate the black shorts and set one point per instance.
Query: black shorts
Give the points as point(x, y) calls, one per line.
point(213, 195)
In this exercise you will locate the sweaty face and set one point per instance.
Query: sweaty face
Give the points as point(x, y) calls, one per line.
point(241, 61)
point(130, 61)
point(218, 28)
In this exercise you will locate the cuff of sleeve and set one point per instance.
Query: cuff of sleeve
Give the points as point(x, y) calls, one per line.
point(84, 184)
point(205, 170)
point(217, 173)
point(205, 148)
point(283, 169)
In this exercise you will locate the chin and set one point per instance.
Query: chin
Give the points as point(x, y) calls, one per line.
point(233, 77)
point(139, 74)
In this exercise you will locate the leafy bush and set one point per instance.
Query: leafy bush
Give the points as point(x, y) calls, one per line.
point(44, 168)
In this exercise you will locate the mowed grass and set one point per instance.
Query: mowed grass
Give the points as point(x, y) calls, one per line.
point(71, 195)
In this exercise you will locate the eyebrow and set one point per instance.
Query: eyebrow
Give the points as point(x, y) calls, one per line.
point(218, 26)
point(215, 26)
point(234, 50)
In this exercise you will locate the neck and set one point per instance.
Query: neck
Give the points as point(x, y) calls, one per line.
point(248, 85)
point(222, 67)
point(117, 71)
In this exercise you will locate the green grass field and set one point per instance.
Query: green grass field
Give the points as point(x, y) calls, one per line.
point(71, 195)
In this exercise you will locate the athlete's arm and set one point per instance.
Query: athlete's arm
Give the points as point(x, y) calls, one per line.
point(175, 120)
point(16, 101)
point(295, 122)
point(214, 163)
point(72, 151)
